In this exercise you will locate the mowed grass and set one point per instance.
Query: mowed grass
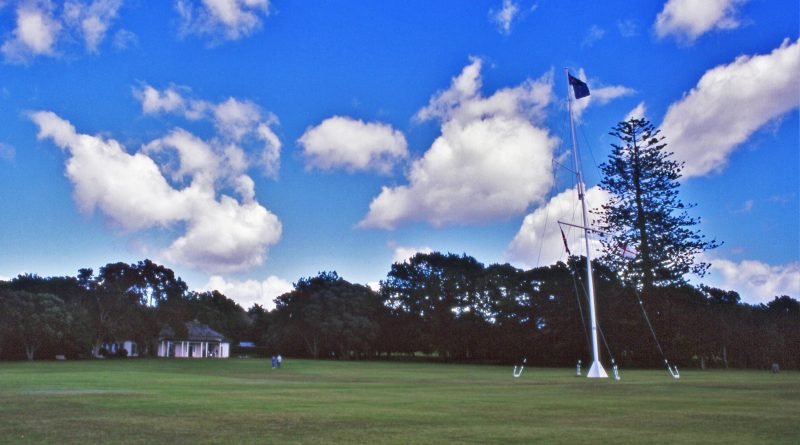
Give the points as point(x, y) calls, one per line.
point(243, 401)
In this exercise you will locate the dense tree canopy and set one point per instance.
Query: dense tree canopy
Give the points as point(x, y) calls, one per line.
point(122, 302)
point(448, 306)
point(439, 294)
point(329, 316)
point(33, 320)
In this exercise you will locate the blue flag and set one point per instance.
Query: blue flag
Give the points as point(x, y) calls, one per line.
point(578, 87)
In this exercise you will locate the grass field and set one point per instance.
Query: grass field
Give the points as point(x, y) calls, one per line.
point(244, 401)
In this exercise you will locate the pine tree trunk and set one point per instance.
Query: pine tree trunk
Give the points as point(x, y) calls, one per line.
point(641, 221)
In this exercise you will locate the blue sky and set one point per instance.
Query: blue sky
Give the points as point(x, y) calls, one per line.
point(247, 144)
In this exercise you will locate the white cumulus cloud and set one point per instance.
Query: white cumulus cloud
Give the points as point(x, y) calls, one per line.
point(129, 188)
point(689, 19)
point(225, 235)
point(249, 292)
point(168, 101)
point(35, 33)
point(344, 142)
point(538, 241)
point(195, 156)
point(240, 124)
point(221, 233)
point(729, 103)
point(755, 281)
point(490, 161)
point(404, 253)
point(638, 112)
point(221, 19)
point(41, 27)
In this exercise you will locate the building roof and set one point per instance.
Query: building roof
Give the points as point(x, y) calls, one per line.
point(195, 331)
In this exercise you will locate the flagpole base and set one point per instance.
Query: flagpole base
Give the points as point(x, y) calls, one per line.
point(597, 371)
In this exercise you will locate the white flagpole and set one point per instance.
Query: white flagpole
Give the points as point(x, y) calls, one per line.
point(596, 370)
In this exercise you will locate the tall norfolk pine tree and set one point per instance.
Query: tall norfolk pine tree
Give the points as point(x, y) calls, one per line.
point(645, 213)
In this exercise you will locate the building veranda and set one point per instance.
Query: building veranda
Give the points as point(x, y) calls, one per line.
point(200, 341)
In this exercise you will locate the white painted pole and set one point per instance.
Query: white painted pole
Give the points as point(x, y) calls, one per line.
point(596, 370)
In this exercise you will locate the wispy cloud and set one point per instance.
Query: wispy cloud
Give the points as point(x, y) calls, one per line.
point(504, 17)
point(124, 39)
point(594, 34)
point(689, 19)
point(92, 19)
point(783, 198)
point(600, 94)
point(220, 20)
point(7, 152)
point(628, 28)
point(746, 207)
point(41, 28)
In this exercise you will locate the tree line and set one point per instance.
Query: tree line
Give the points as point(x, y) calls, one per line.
point(77, 316)
point(444, 306)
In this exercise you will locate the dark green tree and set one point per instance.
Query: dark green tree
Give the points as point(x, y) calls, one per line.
point(33, 320)
point(512, 309)
point(260, 321)
point(76, 337)
point(134, 301)
point(329, 315)
point(113, 308)
point(645, 212)
point(440, 295)
point(220, 313)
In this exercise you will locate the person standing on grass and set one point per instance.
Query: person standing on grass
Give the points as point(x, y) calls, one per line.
point(274, 361)
point(280, 360)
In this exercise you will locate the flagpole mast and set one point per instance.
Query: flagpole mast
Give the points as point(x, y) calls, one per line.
point(596, 370)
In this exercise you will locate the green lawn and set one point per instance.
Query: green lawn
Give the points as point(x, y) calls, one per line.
point(244, 401)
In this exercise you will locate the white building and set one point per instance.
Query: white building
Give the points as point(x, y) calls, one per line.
point(114, 348)
point(200, 341)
